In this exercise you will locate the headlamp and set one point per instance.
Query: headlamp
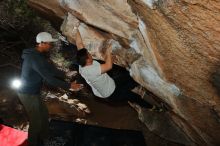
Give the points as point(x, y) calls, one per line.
point(16, 83)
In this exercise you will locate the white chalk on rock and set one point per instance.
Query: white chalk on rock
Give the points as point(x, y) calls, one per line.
point(81, 106)
point(65, 97)
point(150, 3)
point(50, 95)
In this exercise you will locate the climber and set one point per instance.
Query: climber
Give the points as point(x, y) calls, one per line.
point(102, 81)
point(35, 69)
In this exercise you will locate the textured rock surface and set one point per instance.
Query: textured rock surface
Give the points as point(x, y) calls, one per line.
point(170, 47)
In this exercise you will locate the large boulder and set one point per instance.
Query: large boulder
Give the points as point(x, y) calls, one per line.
point(170, 47)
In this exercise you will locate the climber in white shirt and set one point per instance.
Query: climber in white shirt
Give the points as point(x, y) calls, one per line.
point(95, 73)
point(101, 79)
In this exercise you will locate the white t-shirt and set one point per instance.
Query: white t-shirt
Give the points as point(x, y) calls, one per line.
point(102, 84)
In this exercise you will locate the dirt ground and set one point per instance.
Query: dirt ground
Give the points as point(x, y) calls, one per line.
point(105, 115)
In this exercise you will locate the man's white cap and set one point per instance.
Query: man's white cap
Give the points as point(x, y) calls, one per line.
point(45, 37)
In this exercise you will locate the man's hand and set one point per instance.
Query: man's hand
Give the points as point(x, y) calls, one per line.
point(75, 86)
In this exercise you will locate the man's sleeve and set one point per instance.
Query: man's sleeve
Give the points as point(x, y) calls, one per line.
point(57, 72)
point(40, 66)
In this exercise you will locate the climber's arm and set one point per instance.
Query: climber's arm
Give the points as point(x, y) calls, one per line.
point(108, 61)
point(79, 42)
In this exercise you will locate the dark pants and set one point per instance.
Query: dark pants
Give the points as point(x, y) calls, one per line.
point(38, 118)
point(124, 84)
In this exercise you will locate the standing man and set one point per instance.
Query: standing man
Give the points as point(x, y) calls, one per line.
point(36, 69)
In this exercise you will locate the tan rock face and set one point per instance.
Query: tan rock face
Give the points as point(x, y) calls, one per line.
point(108, 15)
point(172, 48)
point(186, 38)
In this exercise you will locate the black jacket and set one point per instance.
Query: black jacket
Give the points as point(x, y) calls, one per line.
point(35, 69)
